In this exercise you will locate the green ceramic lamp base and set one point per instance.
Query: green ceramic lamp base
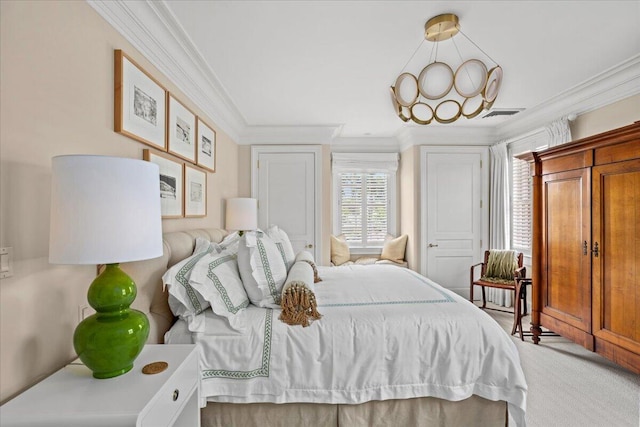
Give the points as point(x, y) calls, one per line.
point(109, 341)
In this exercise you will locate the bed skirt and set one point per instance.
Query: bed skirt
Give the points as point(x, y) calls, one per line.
point(422, 411)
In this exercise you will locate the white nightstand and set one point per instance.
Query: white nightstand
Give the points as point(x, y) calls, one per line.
point(72, 397)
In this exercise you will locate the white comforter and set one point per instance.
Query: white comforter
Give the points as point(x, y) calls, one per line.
point(386, 333)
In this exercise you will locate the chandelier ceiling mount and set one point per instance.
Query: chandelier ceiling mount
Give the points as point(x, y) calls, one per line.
point(439, 93)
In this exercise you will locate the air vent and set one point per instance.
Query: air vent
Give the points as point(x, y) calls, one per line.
point(502, 112)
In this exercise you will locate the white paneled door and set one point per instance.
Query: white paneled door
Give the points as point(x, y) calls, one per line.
point(454, 213)
point(287, 187)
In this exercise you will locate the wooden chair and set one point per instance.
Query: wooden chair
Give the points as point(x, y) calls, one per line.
point(496, 273)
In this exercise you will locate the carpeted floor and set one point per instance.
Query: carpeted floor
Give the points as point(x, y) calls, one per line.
point(571, 386)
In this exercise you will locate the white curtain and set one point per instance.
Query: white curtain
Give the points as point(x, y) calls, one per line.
point(499, 213)
point(558, 132)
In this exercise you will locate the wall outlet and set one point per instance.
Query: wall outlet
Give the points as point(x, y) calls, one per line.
point(6, 262)
point(84, 311)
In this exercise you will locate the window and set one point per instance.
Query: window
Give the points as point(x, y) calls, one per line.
point(364, 194)
point(364, 207)
point(522, 191)
point(521, 200)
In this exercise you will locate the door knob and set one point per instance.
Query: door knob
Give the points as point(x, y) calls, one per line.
point(431, 245)
point(309, 246)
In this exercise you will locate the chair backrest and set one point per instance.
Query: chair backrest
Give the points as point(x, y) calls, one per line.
point(501, 264)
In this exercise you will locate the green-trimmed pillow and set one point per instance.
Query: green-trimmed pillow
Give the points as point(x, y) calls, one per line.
point(262, 269)
point(216, 277)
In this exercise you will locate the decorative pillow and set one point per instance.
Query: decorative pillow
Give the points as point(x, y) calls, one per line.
point(230, 242)
point(281, 239)
point(339, 250)
point(366, 260)
point(216, 277)
point(394, 248)
point(299, 305)
point(184, 301)
point(307, 257)
point(262, 269)
point(502, 264)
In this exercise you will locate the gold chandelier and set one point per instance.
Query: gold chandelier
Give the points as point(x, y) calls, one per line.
point(429, 96)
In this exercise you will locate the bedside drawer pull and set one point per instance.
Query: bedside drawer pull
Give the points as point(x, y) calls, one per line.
point(176, 393)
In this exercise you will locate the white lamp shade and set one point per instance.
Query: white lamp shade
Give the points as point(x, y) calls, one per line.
point(242, 214)
point(104, 210)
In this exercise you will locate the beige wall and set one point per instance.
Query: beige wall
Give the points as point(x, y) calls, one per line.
point(612, 116)
point(244, 171)
point(409, 173)
point(56, 97)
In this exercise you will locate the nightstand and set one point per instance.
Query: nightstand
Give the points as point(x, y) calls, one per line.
point(72, 397)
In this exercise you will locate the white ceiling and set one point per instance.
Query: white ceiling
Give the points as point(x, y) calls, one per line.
point(329, 64)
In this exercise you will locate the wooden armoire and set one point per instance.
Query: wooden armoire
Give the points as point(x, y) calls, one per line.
point(586, 243)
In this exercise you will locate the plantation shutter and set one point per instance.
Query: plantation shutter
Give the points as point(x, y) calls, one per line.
point(376, 206)
point(521, 206)
point(364, 207)
point(364, 197)
point(351, 206)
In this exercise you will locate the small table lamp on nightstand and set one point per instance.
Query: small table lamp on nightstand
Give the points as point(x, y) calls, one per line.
point(241, 214)
point(106, 210)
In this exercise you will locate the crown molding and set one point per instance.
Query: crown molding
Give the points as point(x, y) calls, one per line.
point(365, 144)
point(443, 135)
point(155, 32)
point(614, 84)
point(270, 135)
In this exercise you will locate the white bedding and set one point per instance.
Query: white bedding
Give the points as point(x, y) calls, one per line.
point(386, 333)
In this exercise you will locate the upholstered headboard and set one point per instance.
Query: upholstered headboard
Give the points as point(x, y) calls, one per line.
point(152, 299)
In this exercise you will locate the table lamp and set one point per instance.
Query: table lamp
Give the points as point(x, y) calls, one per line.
point(241, 214)
point(106, 210)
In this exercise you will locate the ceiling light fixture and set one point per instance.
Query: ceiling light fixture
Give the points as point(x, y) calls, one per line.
point(429, 96)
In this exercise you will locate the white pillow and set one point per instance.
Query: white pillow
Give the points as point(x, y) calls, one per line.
point(394, 248)
point(230, 242)
point(262, 269)
point(340, 253)
point(184, 301)
point(281, 239)
point(216, 277)
point(307, 257)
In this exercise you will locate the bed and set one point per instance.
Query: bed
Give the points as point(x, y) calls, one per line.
point(391, 348)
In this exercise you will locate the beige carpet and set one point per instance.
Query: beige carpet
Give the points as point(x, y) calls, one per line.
point(571, 386)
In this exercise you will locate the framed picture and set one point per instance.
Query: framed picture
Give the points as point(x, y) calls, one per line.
point(181, 131)
point(139, 103)
point(206, 157)
point(171, 183)
point(195, 191)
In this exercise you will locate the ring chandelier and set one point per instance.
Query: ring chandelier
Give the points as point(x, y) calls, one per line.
point(430, 96)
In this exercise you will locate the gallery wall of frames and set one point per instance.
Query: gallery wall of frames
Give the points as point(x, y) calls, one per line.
point(183, 144)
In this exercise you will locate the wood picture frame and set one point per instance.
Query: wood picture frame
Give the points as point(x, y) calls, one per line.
point(181, 130)
point(140, 103)
point(171, 189)
point(195, 192)
point(206, 146)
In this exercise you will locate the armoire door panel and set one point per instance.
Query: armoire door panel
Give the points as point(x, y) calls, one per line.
point(567, 280)
point(616, 272)
point(586, 243)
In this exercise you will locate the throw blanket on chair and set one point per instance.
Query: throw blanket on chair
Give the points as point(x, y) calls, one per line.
point(501, 266)
point(298, 298)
